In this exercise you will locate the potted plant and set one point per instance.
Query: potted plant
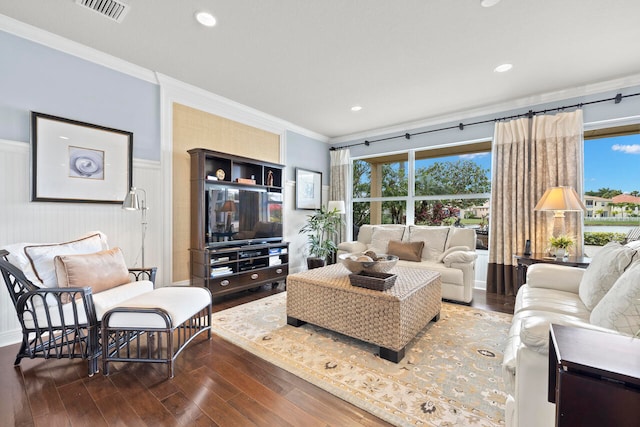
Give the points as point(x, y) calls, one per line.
point(561, 244)
point(321, 229)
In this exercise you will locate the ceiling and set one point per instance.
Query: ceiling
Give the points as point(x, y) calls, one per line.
point(308, 62)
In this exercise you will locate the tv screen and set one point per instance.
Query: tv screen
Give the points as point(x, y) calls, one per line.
point(243, 214)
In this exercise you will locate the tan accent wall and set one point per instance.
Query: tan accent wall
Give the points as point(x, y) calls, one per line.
point(194, 128)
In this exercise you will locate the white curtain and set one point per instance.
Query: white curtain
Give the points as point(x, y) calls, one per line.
point(530, 155)
point(339, 185)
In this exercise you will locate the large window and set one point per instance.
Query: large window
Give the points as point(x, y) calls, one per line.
point(428, 186)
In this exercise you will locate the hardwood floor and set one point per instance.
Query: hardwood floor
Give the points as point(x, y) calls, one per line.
point(216, 384)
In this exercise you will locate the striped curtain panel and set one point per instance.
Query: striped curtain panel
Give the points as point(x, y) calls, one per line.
point(529, 156)
point(339, 186)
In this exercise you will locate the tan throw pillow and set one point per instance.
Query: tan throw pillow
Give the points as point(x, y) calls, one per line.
point(41, 256)
point(406, 251)
point(100, 271)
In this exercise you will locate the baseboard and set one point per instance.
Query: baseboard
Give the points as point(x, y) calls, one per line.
point(10, 337)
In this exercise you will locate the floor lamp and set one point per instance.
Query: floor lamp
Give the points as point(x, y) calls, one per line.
point(339, 207)
point(134, 203)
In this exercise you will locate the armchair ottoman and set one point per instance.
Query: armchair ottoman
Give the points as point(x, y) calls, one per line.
point(159, 313)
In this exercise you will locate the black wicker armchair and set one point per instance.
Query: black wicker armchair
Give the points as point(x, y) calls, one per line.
point(53, 327)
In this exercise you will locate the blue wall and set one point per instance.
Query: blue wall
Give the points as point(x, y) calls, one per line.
point(307, 153)
point(37, 78)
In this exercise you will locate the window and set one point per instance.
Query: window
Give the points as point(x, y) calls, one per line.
point(612, 179)
point(439, 186)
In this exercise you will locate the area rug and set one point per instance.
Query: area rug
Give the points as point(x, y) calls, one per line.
point(450, 375)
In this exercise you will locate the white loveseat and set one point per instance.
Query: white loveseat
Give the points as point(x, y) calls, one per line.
point(605, 297)
point(447, 250)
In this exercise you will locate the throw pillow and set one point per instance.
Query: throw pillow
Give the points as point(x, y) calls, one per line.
point(434, 239)
point(619, 309)
point(100, 271)
point(407, 251)
point(381, 237)
point(606, 266)
point(41, 256)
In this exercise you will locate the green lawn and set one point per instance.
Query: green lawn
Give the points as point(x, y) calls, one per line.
point(599, 221)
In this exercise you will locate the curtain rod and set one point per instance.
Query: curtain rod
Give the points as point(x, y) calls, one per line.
point(618, 98)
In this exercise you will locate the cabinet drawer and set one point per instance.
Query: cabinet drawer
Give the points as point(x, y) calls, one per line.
point(278, 272)
point(224, 283)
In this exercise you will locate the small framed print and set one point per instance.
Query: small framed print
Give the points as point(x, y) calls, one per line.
point(308, 189)
point(74, 161)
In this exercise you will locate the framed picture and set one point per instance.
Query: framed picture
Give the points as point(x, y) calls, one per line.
point(308, 189)
point(79, 162)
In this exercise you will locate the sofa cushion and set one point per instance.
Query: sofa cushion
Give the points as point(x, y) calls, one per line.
point(461, 237)
point(100, 271)
point(552, 300)
point(434, 238)
point(605, 268)
point(41, 256)
point(411, 251)
point(382, 235)
point(619, 309)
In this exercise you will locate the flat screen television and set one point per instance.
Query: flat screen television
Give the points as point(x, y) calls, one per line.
point(243, 215)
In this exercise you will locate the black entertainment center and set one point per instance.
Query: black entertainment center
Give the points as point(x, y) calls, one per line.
point(236, 222)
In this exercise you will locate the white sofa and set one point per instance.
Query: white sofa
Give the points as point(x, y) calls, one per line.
point(447, 250)
point(605, 297)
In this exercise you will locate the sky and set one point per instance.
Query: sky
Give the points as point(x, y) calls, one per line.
point(612, 163)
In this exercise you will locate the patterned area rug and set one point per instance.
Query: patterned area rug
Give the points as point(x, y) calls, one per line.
point(450, 375)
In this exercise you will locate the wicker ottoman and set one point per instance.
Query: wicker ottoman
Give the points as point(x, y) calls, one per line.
point(389, 319)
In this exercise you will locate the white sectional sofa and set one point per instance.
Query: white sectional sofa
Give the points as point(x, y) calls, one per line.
point(605, 296)
point(447, 250)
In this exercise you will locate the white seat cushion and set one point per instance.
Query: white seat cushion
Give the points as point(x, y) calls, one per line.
point(108, 299)
point(180, 302)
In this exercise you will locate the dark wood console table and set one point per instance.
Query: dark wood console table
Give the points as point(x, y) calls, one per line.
point(594, 377)
point(526, 260)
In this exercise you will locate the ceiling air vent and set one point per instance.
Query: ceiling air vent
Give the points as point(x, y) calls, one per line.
point(111, 9)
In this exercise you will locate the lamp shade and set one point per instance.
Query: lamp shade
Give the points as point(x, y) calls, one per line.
point(228, 206)
point(560, 199)
point(131, 201)
point(338, 205)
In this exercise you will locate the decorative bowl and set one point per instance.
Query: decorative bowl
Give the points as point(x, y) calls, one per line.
point(356, 262)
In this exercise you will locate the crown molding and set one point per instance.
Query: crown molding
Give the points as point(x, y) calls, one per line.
point(205, 100)
point(70, 47)
point(193, 96)
point(525, 103)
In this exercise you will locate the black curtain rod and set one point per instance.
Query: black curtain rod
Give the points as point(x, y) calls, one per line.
point(618, 98)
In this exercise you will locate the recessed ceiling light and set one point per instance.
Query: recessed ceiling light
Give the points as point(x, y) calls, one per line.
point(489, 3)
point(356, 108)
point(502, 68)
point(206, 19)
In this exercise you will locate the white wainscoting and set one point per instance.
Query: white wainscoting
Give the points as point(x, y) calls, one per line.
point(482, 266)
point(24, 221)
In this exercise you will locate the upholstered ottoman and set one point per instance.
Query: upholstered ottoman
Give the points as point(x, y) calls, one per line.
point(155, 326)
point(389, 319)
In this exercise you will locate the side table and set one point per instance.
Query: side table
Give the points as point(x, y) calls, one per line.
point(523, 261)
point(594, 377)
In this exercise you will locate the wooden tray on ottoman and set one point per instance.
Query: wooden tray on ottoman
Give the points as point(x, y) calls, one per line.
point(373, 280)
